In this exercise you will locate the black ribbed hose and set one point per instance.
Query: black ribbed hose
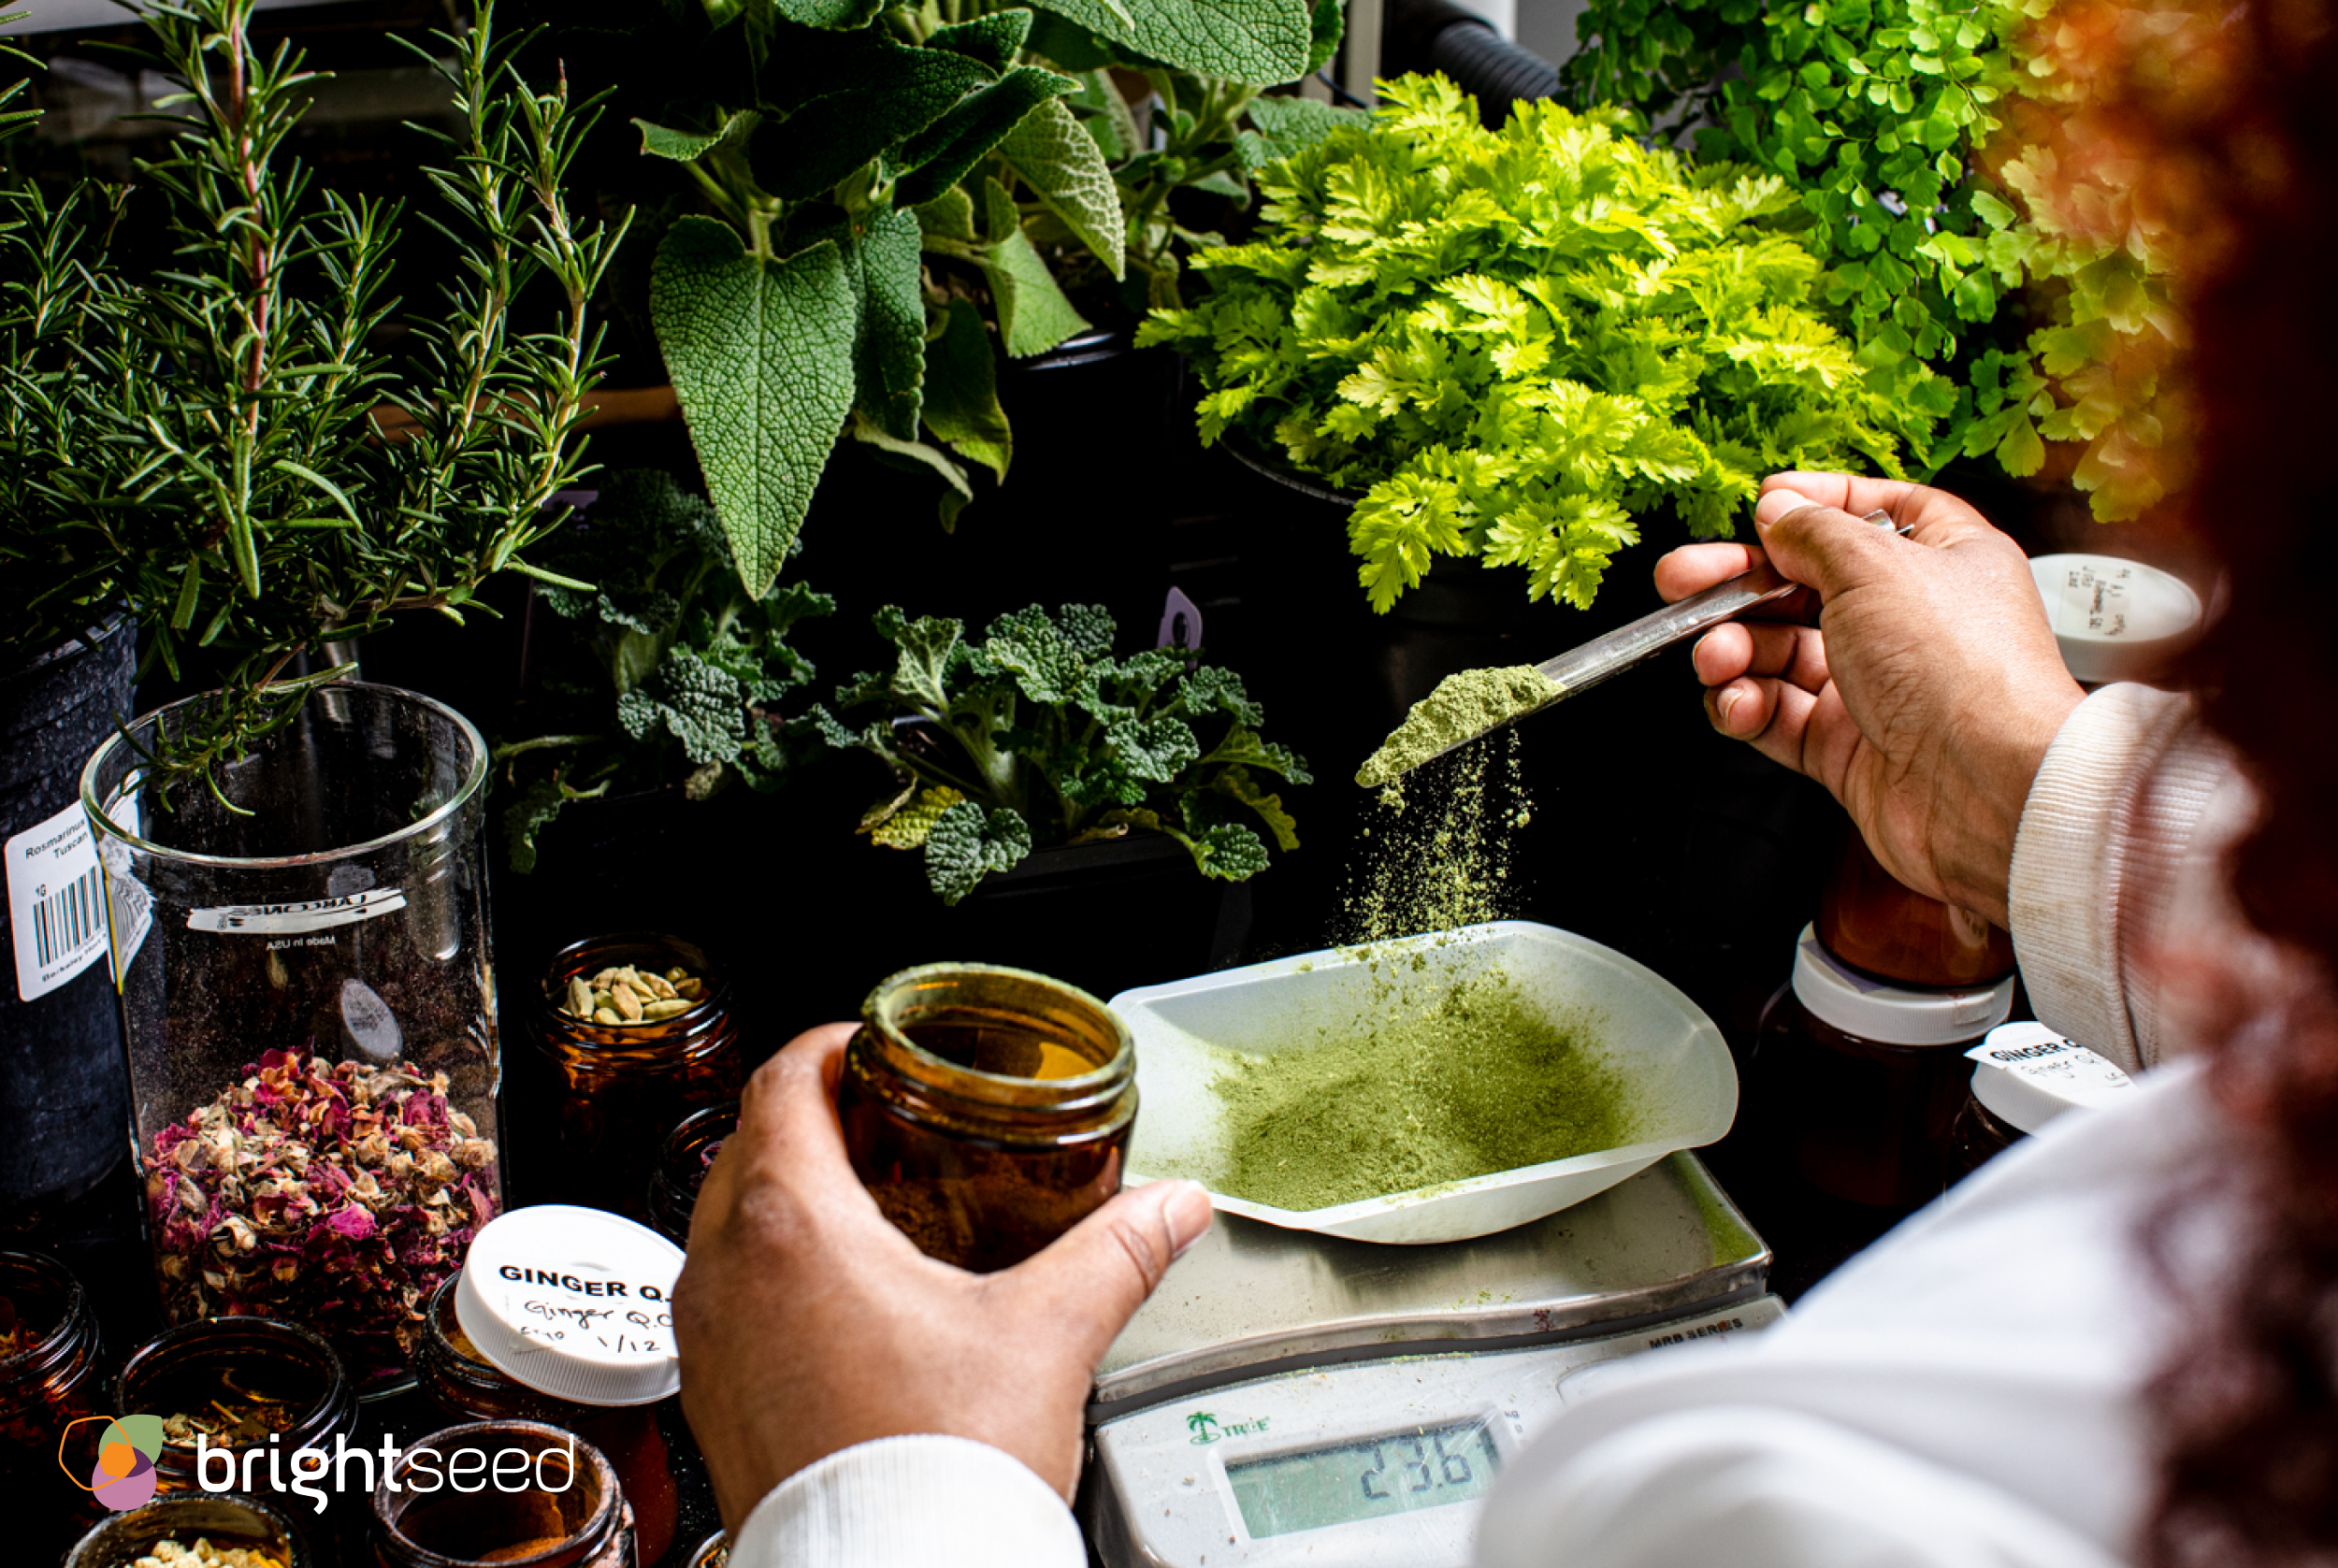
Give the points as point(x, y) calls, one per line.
point(1439, 36)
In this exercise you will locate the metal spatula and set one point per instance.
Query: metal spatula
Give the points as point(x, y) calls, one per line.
point(1578, 669)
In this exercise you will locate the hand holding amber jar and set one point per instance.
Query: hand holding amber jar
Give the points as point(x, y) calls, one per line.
point(808, 1323)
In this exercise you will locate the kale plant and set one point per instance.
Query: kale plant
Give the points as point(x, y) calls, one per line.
point(1519, 342)
point(1037, 735)
point(688, 665)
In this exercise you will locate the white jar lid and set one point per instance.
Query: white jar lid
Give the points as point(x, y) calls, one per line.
point(1894, 1014)
point(577, 1304)
point(2027, 1074)
point(2115, 620)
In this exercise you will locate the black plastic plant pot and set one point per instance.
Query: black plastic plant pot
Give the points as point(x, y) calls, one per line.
point(63, 1095)
point(224, 1519)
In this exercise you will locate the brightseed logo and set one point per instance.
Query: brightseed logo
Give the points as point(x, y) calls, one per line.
point(124, 1478)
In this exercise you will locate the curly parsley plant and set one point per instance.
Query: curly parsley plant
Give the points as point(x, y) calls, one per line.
point(1520, 342)
point(1037, 735)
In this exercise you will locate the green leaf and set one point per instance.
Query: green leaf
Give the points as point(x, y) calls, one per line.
point(965, 844)
point(1152, 749)
point(527, 815)
point(761, 356)
point(916, 453)
point(697, 703)
point(1263, 43)
point(687, 147)
point(830, 13)
point(948, 216)
point(889, 353)
point(1288, 127)
point(1053, 152)
point(1326, 25)
point(910, 822)
point(961, 390)
point(1033, 314)
point(938, 157)
point(885, 97)
point(994, 40)
point(1229, 852)
point(1238, 783)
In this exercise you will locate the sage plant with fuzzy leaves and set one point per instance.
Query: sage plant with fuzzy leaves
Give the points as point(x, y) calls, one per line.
point(247, 467)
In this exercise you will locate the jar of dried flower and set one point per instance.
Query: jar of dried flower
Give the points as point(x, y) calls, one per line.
point(632, 1033)
point(308, 1002)
point(683, 1160)
point(259, 1389)
point(48, 1379)
point(567, 1511)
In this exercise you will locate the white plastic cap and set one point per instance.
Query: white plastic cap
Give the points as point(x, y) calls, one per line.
point(1894, 1014)
point(574, 1302)
point(2027, 1074)
point(2115, 620)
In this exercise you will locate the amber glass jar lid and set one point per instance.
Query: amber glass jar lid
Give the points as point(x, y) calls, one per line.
point(1872, 1009)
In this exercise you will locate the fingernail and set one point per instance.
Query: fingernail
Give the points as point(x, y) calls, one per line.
point(1776, 504)
point(1188, 1212)
point(1725, 699)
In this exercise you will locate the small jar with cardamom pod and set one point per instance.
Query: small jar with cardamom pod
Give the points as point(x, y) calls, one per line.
point(986, 1109)
point(632, 1033)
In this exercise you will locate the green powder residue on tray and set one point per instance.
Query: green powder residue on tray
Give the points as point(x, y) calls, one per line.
point(1463, 707)
point(1454, 1079)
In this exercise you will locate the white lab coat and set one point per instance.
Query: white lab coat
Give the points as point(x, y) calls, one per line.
point(1967, 1393)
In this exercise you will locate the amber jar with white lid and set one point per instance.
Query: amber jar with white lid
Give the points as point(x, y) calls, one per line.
point(986, 1109)
point(2024, 1076)
point(1867, 1076)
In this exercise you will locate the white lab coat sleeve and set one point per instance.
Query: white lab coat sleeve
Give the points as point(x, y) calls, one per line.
point(910, 1503)
point(1761, 1488)
point(2120, 849)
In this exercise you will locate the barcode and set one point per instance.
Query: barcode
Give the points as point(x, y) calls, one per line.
point(68, 920)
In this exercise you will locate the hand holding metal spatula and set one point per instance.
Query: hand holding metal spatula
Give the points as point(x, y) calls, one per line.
point(1479, 701)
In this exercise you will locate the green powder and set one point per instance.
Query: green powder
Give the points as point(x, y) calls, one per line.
point(1439, 858)
point(1445, 1080)
point(1463, 708)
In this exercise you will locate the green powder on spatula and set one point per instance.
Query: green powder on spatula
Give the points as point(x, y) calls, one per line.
point(1463, 708)
point(1449, 1079)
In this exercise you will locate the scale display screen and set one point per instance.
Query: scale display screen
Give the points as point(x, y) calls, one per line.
point(1364, 1479)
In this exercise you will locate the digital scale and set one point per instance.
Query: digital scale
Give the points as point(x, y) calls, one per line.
point(1288, 1397)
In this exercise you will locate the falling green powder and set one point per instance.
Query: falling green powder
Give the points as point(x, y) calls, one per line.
point(1463, 708)
point(1447, 1079)
point(1435, 854)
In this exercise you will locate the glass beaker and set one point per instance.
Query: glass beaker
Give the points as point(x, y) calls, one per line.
point(308, 1002)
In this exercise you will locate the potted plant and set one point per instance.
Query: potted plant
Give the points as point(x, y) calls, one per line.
point(295, 895)
point(1517, 343)
point(1945, 164)
point(868, 207)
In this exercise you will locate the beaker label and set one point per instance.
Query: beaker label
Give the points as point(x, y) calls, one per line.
point(314, 914)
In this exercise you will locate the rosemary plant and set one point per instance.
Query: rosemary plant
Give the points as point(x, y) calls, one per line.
point(224, 443)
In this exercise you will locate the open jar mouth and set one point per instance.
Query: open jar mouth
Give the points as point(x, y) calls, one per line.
point(967, 1000)
point(107, 780)
point(237, 1521)
point(646, 951)
point(48, 1308)
point(587, 1510)
point(211, 1369)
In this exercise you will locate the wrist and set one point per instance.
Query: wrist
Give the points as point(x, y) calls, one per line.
point(1974, 859)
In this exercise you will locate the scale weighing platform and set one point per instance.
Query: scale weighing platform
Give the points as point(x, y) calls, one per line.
point(1288, 1397)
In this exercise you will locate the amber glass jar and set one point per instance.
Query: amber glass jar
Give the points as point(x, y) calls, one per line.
point(986, 1109)
point(1875, 923)
point(1865, 1079)
point(567, 1512)
point(187, 1518)
point(461, 1382)
point(48, 1378)
point(609, 1092)
point(241, 1381)
point(682, 1162)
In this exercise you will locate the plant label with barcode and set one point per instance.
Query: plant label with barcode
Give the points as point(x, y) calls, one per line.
point(56, 902)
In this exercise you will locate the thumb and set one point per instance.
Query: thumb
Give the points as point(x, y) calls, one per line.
point(1090, 1280)
point(1820, 546)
